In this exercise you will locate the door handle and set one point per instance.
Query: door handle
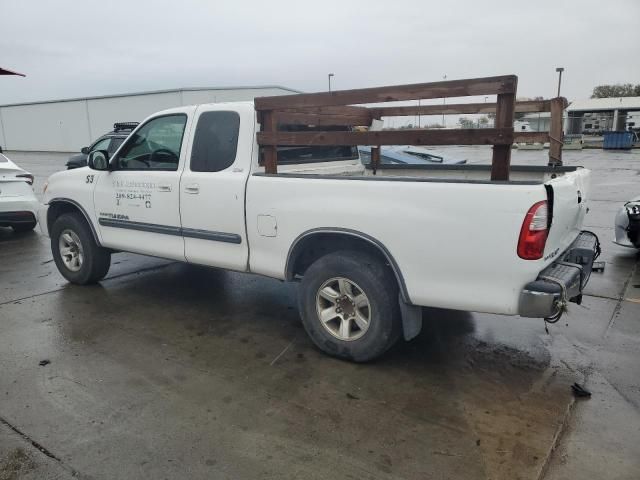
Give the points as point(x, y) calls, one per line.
point(192, 188)
point(164, 188)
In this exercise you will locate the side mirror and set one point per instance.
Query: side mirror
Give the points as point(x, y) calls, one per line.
point(84, 150)
point(98, 160)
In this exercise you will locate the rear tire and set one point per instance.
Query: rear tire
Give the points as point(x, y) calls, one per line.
point(77, 255)
point(349, 305)
point(23, 227)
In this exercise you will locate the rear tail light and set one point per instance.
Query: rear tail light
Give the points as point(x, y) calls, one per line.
point(534, 231)
point(27, 177)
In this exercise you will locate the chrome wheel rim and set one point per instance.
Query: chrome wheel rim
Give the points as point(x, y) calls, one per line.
point(71, 250)
point(343, 309)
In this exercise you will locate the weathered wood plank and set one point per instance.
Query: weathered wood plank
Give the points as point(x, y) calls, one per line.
point(530, 137)
point(527, 106)
point(270, 153)
point(288, 118)
point(449, 88)
point(558, 105)
point(501, 161)
point(476, 136)
point(375, 159)
point(334, 110)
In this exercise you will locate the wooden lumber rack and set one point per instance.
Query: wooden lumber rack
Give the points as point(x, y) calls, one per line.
point(344, 108)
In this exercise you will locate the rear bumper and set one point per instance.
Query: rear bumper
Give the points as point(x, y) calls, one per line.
point(17, 210)
point(23, 217)
point(562, 281)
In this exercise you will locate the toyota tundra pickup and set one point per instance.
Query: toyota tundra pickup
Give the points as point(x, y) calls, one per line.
point(368, 251)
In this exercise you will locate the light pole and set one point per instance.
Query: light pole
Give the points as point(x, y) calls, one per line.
point(559, 70)
point(329, 76)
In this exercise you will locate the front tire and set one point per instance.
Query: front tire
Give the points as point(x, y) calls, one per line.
point(76, 254)
point(349, 306)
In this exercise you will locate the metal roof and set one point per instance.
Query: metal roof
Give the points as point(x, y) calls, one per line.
point(153, 92)
point(614, 103)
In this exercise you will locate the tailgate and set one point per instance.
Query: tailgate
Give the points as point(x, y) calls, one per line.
point(567, 196)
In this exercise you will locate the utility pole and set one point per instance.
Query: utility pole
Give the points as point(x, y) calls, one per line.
point(329, 76)
point(559, 70)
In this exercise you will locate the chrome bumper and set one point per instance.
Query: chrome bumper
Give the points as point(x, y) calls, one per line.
point(563, 280)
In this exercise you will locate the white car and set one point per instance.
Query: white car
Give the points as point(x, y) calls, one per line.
point(18, 204)
point(627, 224)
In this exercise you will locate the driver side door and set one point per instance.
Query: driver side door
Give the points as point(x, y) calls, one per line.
point(137, 201)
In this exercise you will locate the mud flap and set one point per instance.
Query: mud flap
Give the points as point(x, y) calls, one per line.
point(411, 319)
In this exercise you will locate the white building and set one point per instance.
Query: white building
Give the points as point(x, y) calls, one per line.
point(539, 121)
point(70, 124)
point(596, 115)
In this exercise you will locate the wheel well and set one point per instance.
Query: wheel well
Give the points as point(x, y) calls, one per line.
point(310, 247)
point(59, 208)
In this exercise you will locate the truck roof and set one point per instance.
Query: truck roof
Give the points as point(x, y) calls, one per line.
point(242, 104)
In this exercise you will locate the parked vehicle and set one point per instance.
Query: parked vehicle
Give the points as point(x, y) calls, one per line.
point(627, 224)
point(18, 204)
point(408, 155)
point(196, 184)
point(109, 142)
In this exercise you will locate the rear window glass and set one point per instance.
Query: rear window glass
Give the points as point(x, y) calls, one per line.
point(297, 155)
point(215, 142)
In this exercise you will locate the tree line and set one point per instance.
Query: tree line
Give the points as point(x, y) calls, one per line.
point(617, 90)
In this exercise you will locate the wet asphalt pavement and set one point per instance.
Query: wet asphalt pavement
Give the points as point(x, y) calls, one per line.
point(166, 370)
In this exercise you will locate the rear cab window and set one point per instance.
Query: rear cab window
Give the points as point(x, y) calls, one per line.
point(215, 142)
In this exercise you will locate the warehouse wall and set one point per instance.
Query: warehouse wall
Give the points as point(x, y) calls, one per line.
point(69, 125)
point(48, 126)
point(104, 112)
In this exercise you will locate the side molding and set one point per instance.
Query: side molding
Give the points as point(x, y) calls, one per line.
point(169, 230)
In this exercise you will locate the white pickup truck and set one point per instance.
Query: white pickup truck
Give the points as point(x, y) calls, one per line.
point(368, 250)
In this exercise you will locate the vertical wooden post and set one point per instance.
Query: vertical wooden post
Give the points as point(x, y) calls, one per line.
point(555, 131)
point(505, 109)
point(375, 159)
point(270, 124)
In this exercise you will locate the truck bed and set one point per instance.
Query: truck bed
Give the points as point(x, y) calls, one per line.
point(518, 173)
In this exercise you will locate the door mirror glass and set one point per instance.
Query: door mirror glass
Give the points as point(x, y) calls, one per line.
point(98, 160)
point(84, 150)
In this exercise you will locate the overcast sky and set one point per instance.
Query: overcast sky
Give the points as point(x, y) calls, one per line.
point(85, 47)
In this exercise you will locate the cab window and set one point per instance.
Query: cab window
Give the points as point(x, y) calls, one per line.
point(115, 143)
point(155, 146)
point(215, 142)
point(101, 144)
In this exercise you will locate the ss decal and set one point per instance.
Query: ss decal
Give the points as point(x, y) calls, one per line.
point(89, 179)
